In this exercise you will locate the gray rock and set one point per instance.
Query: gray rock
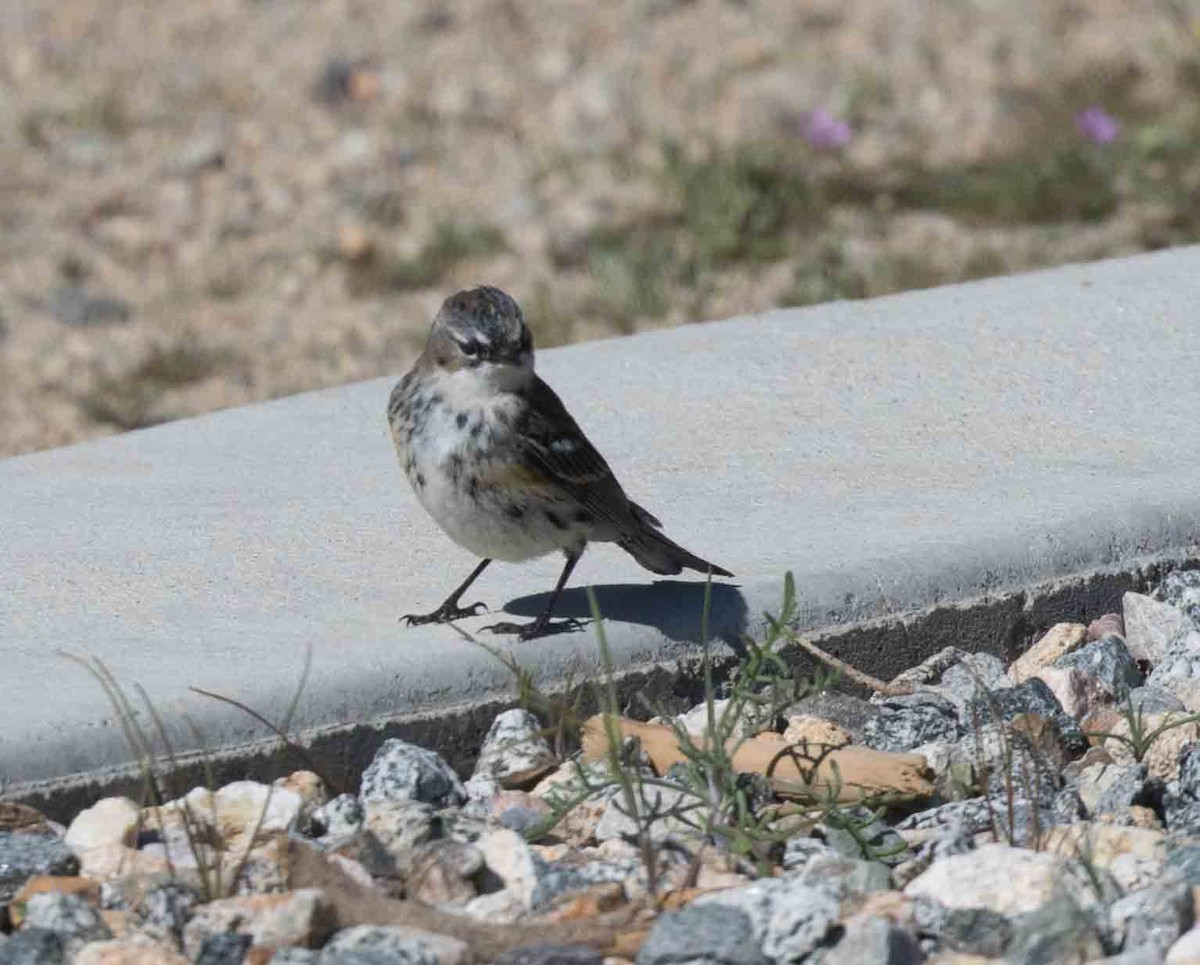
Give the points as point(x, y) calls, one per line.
point(846, 875)
point(520, 819)
point(1152, 917)
point(850, 713)
point(1181, 589)
point(75, 306)
point(1011, 763)
point(1151, 699)
point(402, 771)
point(1068, 807)
point(1185, 858)
point(556, 880)
point(551, 955)
point(1031, 696)
point(875, 941)
point(24, 854)
point(1181, 797)
point(708, 933)
point(223, 948)
point(956, 823)
point(207, 149)
point(932, 671)
point(33, 946)
point(294, 955)
point(799, 851)
point(70, 917)
point(1181, 662)
point(790, 917)
point(1109, 660)
point(514, 750)
point(339, 819)
point(1111, 789)
point(977, 931)
point(165, 909)
point(855, 832)
point(382, 945)
point(911, 720)
point(958, 676)
point(1057, 933)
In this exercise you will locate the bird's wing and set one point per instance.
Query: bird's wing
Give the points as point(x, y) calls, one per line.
point(556, 450)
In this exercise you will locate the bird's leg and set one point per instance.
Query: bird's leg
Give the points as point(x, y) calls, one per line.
point(542, 627)
point(450, 610)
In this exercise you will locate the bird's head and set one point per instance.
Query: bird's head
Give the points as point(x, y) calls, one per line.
point(483, 330)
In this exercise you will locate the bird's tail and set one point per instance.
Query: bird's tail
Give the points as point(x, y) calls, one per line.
point(660, 555)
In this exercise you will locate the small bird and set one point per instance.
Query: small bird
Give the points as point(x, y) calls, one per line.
point(498, 462)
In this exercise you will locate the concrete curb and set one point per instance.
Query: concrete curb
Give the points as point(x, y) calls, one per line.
point(961, 465)
point(1003, 625)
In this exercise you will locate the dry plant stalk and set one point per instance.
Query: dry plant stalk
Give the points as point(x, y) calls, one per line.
point(852, 771)
point(350, 903)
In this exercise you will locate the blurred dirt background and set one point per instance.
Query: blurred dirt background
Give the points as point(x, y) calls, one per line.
point(205, 204)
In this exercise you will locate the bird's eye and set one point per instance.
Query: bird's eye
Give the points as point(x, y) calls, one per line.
point(472, 348)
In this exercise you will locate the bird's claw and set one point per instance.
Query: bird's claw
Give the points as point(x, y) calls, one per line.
point(538, 628)
point(446, 613)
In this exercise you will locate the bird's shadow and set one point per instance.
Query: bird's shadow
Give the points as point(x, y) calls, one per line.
point(674, 607)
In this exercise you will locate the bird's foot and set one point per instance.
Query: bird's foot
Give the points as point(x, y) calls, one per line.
point(446, 613)
point(543, 626)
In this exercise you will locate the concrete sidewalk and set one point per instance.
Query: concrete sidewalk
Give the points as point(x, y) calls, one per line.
point(898, 454)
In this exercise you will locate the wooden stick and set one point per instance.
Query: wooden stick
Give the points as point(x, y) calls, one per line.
point(852, 771)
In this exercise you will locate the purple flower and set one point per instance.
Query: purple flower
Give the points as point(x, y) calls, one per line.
point(824, 131)
point(1097, 125)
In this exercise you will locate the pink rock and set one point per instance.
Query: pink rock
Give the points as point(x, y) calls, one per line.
point(1109, 623)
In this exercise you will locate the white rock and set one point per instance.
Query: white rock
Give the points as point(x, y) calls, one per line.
point(1151, 626)
point(117, 860)
point(500, 907)
point(395, 943)
point(272, 920)
point(111, 820)
point(399, 826)
point(1006, 880)
point(342, 819)
point(242, 805)
point(514, 751)
point(1059, 640)
point(401, 771)
point(68, 916)
point(1135, 857)
point(133, 950)
point(1078, 691)
point(509, 856)
point(481, 790)
point(1186, 950)
point(1162, 759)
point(616, 822)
